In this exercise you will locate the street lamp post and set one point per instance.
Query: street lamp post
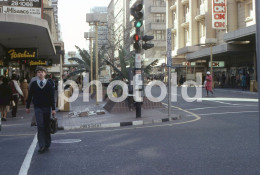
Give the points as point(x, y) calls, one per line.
point(90, 36)
point(96, 19)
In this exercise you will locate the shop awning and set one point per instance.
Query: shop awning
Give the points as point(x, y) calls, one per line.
point(22, 31)
point(219, 50)
point(243, 34)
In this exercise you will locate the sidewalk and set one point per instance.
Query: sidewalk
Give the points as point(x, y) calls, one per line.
point(236, 91)
point(71, 120)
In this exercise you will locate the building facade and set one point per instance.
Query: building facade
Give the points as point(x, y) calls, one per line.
point(102, 30)
point(233, 48)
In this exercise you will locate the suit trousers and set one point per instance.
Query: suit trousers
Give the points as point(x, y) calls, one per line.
point(43, 115)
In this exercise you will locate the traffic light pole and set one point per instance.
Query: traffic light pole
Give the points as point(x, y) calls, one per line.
point(138, 108)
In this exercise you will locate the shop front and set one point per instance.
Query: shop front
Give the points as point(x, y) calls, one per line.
point(25, 43)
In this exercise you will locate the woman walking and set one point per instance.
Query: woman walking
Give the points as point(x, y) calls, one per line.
point(25, 89)
point(5, 98)
point(209, 84)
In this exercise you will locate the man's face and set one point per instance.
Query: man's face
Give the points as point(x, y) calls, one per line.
point(41, 74)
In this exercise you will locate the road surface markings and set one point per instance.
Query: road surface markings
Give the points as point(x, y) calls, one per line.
point(239, 112)
point(197, 117)
point(234, 106)
point(27, 161)
point(14, 125)
point(228, 99)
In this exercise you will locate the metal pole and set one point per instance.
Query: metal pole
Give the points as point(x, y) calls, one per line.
point(169, 91)
point(257, 48)
point(211, 66)
point(91, 65)
point(96, 25)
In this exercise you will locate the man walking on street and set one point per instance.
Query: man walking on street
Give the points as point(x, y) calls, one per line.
point(41, 93)
point(16, 90)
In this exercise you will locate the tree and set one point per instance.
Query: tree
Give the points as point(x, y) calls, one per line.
point(84, 64)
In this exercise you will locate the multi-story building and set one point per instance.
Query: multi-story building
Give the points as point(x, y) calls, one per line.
point(55, 13)
point(233, 48)
point(102, 30)
point(119, 27)
point(154, 23)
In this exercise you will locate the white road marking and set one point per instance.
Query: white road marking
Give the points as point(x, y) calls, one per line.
point(228, 99)
point(234, 106)
point(15, 125)
point(239, 112)
point(27, 161)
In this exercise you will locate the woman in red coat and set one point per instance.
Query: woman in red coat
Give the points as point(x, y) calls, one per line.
point(209, 84)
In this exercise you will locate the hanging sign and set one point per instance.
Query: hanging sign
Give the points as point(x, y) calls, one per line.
point(22, 7)
point(219, 14)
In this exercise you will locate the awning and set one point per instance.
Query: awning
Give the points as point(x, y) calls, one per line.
point(243, 34)
point(22, 31)
point(219, 50)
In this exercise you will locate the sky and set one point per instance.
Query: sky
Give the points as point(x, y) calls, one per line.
point(72, 18)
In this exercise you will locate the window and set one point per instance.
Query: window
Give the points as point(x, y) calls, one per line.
point(202, 29)
point(159, 18)
point(159, 35)
point(249, 10)
point(158, 3)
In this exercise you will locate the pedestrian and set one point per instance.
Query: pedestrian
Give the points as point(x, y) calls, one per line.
point(243, 82)
point(181, 80)
point(41, 93)
point(223, 80)
point(5, 98)
point(209, 84)
point(16, 90)
point(33, 120)
point(25, 89)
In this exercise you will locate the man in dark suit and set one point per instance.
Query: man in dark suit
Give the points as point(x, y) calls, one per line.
point(41, 93)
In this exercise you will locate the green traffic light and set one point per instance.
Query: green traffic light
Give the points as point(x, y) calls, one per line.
point(138, 24)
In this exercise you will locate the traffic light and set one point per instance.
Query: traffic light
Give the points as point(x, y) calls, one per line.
point(137, 45)
point(146, 38)
point(138, 15)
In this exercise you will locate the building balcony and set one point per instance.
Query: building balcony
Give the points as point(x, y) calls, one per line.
point(155, 9)
point(185, 2)
point(200, 13)
point(158, 26)
point(173, 6)
point(185, 21)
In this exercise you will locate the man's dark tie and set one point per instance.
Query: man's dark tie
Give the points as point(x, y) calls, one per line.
point(41, 84)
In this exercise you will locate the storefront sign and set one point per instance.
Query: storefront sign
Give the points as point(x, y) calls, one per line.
point(219, 14)
point(217, 64)
point(38, 63)
point(22, 7)
point(22, 54)
point(189, 63)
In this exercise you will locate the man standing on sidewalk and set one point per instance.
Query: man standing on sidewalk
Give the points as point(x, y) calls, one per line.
point(41, 93)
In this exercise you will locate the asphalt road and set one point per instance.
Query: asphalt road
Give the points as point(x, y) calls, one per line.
point(225, 140)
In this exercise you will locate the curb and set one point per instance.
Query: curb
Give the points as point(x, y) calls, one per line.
point(120, 124)
point(237, 91)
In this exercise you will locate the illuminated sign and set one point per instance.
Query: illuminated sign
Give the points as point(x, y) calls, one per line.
point(22, 7)
point(22, 54)
point(219, 14)
point(217, 64)
point(38, 63)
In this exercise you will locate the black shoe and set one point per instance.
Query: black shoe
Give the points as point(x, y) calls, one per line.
point(3, 119)
point(42, 150)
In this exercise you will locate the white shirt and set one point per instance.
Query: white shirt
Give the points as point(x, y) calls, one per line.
point(39, 81)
